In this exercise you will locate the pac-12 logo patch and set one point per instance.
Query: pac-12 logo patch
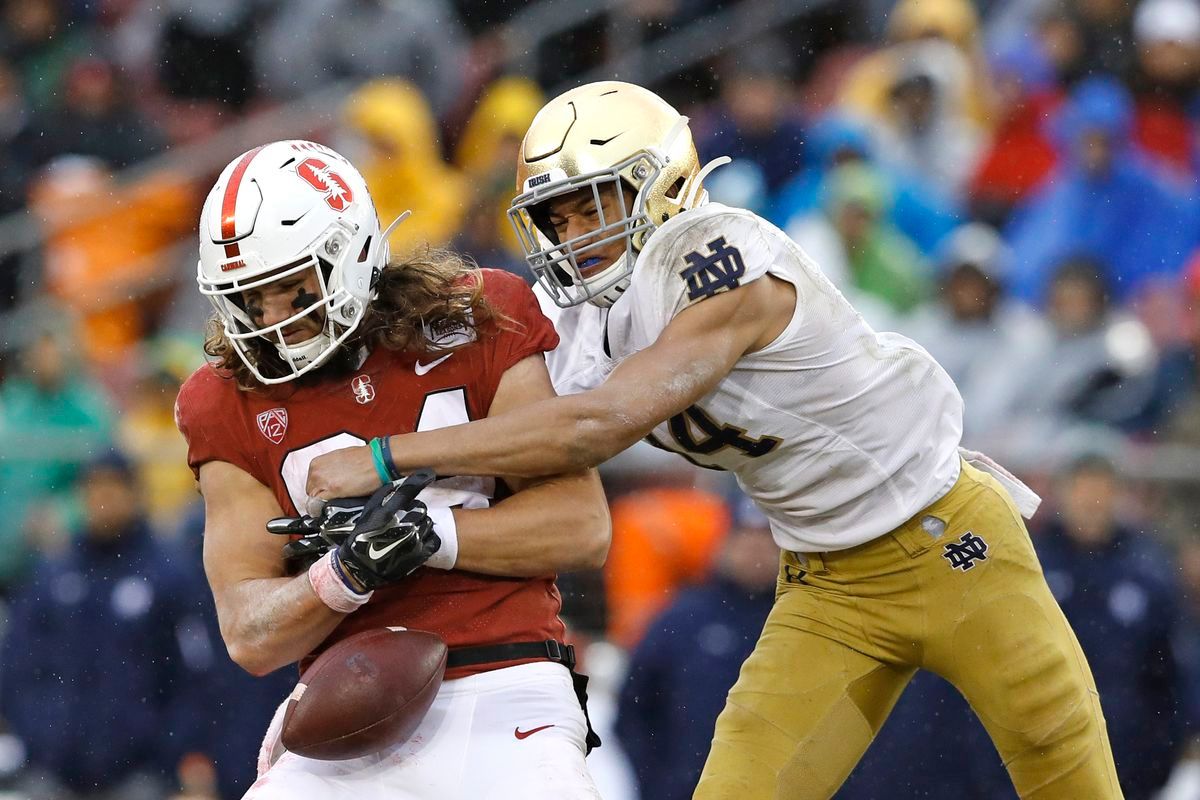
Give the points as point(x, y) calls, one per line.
point(966, 551)
point(718, 270)
point(317, 174)
point(273, 424)
point(364, 392)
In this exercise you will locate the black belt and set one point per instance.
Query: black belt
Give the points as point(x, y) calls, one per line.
point(549, 650)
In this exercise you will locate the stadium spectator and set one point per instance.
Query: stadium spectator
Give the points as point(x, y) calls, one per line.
point(1021, 154)
point(924, 129)
point(1167, 36)
point(35, 37)
point(1115, 584)
point(402, 162)
point(691, 654)
point(105, 247)
point(490, 139)
point(1184, 782)
point(868, 87)
point(1105, 200)
point(238, 706)
point(94, 117)
point(755, 117)
point(487, 155)
point(97, 678)
point(54, 419)
point(146, 429)
point(1096, 368)
point(664, 538)
point(858, 249)
point(308, 45)
point(917, 210)
point(977, 333)
point(1081, 37)
point(1176, 401)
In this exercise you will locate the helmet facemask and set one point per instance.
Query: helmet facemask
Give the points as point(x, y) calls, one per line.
point(662, 177)
point(340, 310)
point(560, 266)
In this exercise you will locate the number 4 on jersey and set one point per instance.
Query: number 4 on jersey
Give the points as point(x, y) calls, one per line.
point(714, 436)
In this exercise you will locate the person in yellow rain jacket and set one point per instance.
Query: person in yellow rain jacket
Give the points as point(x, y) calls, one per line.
point(403, 163)
point(487, 153)
point(866, 89)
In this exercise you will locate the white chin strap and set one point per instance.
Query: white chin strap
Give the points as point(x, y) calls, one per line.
point(614, 292)
point(307, 352)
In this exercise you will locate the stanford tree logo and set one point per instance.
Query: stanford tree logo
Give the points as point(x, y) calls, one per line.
point(317, 174)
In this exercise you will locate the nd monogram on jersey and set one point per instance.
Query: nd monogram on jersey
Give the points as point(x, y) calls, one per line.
point(273, 435)
point(839, 433)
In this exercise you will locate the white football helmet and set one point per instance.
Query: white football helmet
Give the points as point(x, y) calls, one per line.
point(277, 210)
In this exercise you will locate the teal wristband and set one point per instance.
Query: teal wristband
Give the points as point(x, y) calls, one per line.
point(380, 465)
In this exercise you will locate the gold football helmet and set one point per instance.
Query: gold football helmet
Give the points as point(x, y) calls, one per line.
point(601, 135)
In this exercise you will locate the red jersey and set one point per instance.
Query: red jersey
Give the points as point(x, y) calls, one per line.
point(274, 434)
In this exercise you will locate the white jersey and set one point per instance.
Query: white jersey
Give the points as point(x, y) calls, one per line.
point(838, 433)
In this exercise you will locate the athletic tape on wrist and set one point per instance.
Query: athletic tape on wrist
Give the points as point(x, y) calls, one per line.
point(446, 529)
point(328, 584)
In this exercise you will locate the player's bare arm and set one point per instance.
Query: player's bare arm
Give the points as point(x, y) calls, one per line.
point(555, 524)
point(564, 434)
point(267, 618)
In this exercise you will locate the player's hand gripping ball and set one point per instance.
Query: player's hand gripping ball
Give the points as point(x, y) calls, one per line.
point(364, 694)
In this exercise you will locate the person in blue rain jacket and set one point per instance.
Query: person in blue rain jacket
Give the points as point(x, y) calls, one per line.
point(96, 667)
point(1106, 201)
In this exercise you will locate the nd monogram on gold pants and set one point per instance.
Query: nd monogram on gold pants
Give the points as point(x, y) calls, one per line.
point(849, 629)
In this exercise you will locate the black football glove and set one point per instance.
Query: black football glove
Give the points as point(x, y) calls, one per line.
point(319, 534)
point(393, 534)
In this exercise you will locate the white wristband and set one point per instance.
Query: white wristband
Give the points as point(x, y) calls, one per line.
point(331, 588)
point(446, 529)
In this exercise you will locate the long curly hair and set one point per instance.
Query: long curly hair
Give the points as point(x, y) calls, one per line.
point(434, 290)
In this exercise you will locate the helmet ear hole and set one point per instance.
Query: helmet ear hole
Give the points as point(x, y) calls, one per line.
point(672, 193)
point(326, 269)
point(362, 254)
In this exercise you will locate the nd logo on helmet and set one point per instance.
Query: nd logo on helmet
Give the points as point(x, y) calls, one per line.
point(316, 173)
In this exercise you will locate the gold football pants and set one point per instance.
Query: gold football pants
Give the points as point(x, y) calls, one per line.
point(849, 629)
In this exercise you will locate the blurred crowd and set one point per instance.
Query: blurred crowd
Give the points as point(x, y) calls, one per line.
point(1012, 184)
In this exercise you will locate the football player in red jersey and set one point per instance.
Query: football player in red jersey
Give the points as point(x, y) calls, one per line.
point(320, 342)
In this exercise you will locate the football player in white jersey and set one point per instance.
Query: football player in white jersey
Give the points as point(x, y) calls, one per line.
point(703, 329)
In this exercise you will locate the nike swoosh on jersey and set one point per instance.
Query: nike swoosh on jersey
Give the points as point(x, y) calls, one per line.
point(421, 369)
point(381, 552)
point(520, 734)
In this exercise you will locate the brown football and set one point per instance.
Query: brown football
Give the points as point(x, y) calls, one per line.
point(364, 694)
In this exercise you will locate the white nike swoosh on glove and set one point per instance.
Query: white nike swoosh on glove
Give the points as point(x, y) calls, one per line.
point(380, 553)
point(421, 369)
